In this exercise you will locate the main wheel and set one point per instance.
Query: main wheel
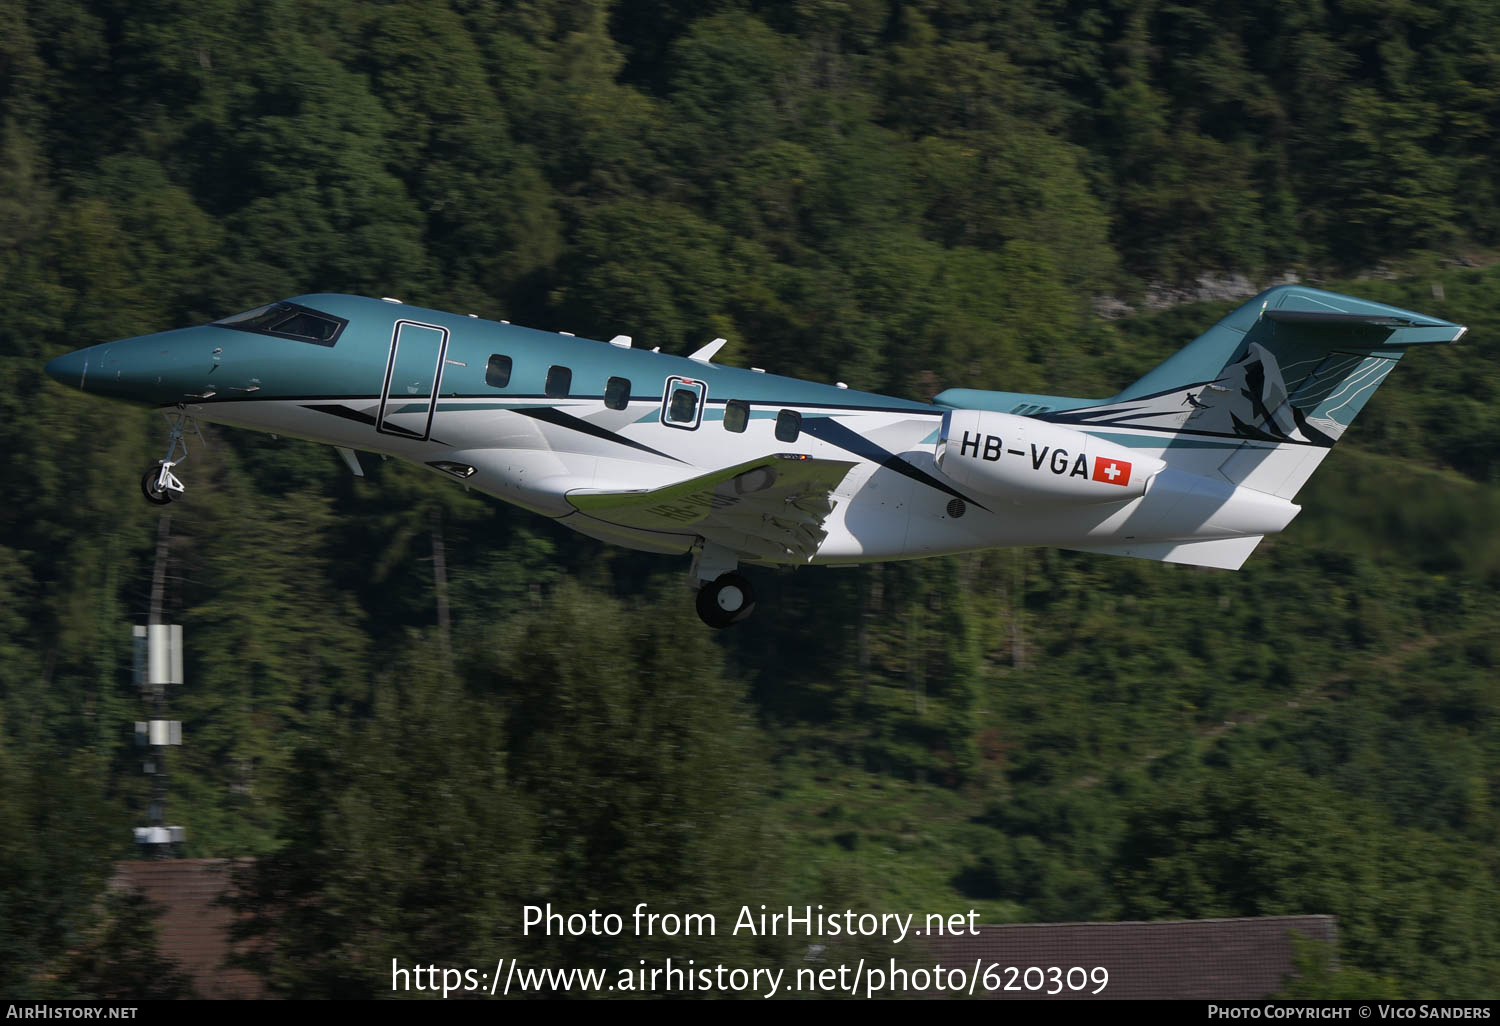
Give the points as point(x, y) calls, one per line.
point(725, 601)
point(150, 491)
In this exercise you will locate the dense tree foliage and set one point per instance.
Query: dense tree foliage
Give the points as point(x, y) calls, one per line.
point(420, 710)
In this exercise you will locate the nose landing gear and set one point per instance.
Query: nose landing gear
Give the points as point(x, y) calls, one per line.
point(160, 485)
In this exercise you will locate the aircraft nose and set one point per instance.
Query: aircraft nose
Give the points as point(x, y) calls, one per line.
point(70, 369)
point(163, 369)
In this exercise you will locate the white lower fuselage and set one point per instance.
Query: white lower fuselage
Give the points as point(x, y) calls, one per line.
point(880, 513)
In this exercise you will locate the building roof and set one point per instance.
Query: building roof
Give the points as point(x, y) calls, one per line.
point(1206, 959)
point(194, 924)
point(1202, 959)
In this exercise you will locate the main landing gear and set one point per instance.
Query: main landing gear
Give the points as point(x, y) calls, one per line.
point(724, 597)
point(159, 484)
point(725, 600)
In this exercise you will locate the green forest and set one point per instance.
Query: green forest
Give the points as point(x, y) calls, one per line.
point(420, 710)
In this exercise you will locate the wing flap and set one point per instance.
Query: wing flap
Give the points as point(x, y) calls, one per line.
point(769, 508)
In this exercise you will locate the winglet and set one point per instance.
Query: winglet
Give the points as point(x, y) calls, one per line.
point(707, 352)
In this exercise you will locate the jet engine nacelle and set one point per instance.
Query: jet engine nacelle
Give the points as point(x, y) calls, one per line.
point(1023, 459)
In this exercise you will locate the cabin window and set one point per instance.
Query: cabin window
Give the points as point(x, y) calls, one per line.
point(497, 371)
point(788, 425)
point(559, 382)
point(617, 393)
point(684, 408)
point(736, 415)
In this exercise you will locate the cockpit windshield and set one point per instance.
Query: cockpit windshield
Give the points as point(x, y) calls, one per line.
point(288, 320)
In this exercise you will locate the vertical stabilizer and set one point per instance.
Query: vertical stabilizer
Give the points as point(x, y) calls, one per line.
point(1263, 395)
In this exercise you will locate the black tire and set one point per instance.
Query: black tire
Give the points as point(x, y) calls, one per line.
point(148, 489)
point(725, 601)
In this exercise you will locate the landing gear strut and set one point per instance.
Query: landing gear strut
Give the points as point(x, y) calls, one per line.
point(160, 485)
point(724, 597)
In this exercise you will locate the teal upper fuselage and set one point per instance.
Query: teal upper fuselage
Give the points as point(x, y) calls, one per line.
point(215, 363)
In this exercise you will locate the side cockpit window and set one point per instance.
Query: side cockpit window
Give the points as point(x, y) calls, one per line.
point(290, 321)
point(309, 326)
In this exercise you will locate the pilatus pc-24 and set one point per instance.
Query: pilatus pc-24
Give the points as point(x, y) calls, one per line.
point(1194, 463)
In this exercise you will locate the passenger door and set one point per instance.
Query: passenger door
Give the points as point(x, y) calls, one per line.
point(413, 375)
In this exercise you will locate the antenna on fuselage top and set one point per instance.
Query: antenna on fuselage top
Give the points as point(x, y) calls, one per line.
point(707, 352)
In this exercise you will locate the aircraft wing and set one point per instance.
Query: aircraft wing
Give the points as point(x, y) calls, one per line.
point(770, 508)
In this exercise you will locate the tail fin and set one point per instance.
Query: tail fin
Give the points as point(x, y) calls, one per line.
point(1260, 398)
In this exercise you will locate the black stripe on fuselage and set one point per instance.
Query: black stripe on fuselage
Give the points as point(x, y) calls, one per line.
point(342, 411)
point(364, 418)
point(824, 428)
point(1096, 425)
point(828, 430)
point(546, 414)
point(557, 418)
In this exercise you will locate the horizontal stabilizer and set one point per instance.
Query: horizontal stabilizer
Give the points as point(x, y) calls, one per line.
point(1372, 320)
point(1222, 554)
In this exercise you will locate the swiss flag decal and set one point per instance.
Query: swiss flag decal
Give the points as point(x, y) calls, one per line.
point(1112, 471)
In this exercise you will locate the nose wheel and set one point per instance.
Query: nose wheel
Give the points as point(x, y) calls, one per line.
point(726, 600)
point(159, 484)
